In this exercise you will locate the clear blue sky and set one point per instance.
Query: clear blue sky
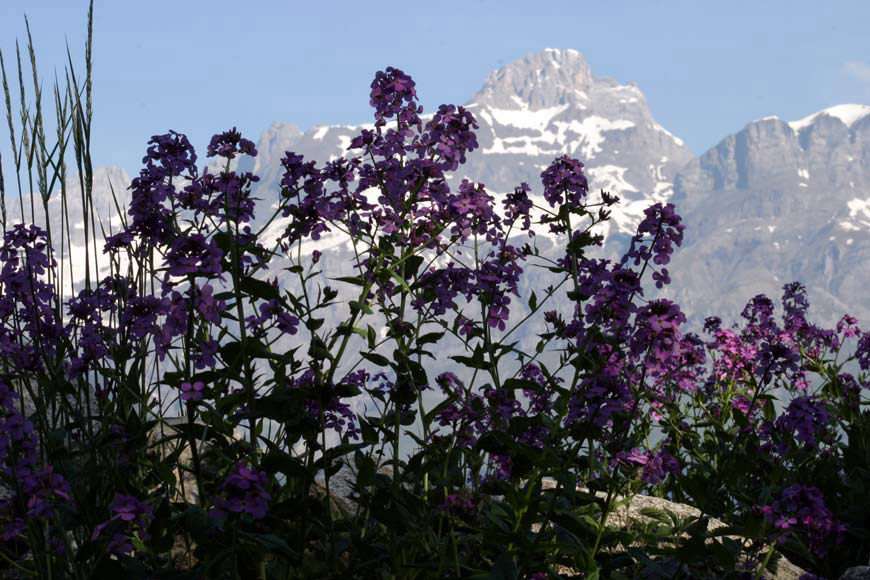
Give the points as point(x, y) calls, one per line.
point(197, 66)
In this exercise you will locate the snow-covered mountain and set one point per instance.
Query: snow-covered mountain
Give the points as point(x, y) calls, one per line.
point(531, 111)
point(777, 202)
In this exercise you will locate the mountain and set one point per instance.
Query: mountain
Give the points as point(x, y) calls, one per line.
point(531, 111)
point(547, 104)
point(777, 202)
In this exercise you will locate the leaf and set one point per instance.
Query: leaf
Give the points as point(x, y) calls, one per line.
point(355, 280)
point(402, 282)
point(277, 461)
point(356, 306)
point(533, 301)
point(272, 542)
point(475, 361)
point(376, 359)
point(431, 337)
point(258, 288)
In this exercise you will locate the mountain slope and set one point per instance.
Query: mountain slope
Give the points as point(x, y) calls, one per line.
point(531, 111)
point(778, 202)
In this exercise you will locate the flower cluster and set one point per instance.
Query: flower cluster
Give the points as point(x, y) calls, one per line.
point(654, 465)
point(242, 492)
point(130, 519)
point(801, 513)
point(229, 144)
point(807, 419)
point(38, 491)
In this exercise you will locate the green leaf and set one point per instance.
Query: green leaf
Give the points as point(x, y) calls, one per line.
point(401, 281)
point(376, 359)
point(475, 361)
point(356, 306)
point(412, 264)
point(431, 337)
point(355, 280)
point(258, 288)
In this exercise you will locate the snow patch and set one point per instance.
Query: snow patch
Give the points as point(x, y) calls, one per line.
point(661, 129)
point(525, 118)
point(590, 130)
point(859, 216)
point(849, 114)
point(320, 133)
point(610, 178)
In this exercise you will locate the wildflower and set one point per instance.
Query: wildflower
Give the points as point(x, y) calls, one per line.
point(130, 517)
point(449, 136)
point(194, 254)
point(242, 492)
point(801, 512)
point(808, 417)
point(564, 182)
point(192, 391)
point(230, 143)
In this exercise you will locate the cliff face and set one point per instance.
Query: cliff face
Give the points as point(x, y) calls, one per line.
point(774, 203)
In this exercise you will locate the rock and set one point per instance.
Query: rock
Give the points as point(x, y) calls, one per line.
point(628, 513)
point(856, 573)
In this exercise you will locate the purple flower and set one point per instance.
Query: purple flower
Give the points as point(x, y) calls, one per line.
point(325, 400)
point(657, 336)
point(807, 418)
point(664, 225)
point(171, 153)
point(449, 136)
point(801, 512)
point(517, 206)
point(194, 255)
point(230, 143)
point(242, 492)
point(205, 355)
point(471, 209)
point(458, 505)
point(45, 489)
point(655, 464)
point(129, 517)
point(393, 94)
point(192, 391)
point(862, 351)
point(208, 306)
point(564, 182)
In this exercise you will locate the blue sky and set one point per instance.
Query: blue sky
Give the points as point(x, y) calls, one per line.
point(706, 68)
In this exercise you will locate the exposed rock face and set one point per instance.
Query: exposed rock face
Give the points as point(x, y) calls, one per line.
point(779, 202)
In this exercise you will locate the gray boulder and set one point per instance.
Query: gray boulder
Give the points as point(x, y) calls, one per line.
point(856, 573)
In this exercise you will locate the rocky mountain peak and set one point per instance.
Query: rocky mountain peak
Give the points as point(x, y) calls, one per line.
point(549, 78)
point(848, 114)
